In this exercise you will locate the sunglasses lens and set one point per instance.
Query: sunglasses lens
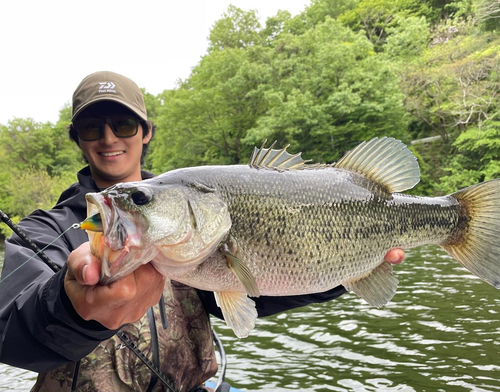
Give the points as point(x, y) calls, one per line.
point(124, 126)
point(92, 128)
point(89, 128)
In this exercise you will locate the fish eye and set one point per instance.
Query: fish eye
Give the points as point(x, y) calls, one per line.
point(141, 197)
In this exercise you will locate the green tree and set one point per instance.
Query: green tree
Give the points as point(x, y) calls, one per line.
point(330, 91)
point(236, 29)
point(322, 91)
point(373, 17)
point(37, 162)
point(27, 143)
point(319, 10)
point(488, 14)
point(408, 39)
point(452, 90)
point(456, 85)
point(205, 119)
point(477, 157)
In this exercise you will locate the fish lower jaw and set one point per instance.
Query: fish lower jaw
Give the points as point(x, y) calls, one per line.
point(176, 262)
point(174, 271)
point(111, 264)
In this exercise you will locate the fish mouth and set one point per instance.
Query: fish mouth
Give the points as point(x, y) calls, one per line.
point(118, 238)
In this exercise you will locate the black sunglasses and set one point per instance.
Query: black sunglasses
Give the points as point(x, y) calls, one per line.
point(92, 128)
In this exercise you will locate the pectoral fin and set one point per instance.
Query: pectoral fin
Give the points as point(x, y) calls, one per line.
point(378, 288)
point(242, 273)
point(238, 311)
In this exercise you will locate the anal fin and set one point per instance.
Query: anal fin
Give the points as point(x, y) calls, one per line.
point(378, 287)
point(238, 310)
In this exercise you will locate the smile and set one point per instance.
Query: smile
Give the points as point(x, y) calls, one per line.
point(111, 154)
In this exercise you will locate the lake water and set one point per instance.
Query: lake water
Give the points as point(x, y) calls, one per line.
point(441, 332)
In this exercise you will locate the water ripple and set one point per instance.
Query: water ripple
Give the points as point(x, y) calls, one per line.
point(440, 333)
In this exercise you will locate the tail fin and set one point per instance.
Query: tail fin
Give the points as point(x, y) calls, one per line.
point(478, 249)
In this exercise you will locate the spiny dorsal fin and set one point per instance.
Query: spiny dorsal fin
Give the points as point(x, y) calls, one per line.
point(386, 161)
point(278, 159)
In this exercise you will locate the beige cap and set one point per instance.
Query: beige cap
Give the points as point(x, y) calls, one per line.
point(108, 86)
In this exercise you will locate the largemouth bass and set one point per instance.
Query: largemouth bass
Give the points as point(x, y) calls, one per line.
point(282, 226)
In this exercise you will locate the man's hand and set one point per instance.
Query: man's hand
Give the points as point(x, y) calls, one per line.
point(395, 256)
point(118, 303)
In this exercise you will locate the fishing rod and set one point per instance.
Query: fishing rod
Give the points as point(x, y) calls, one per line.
point(54, 267)
point(16, 229)
point(123, 337)
point(223, 359)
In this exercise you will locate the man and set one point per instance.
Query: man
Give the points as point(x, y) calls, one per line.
point(49, 321)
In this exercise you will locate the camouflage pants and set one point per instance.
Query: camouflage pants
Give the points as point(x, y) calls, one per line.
point(187, 355)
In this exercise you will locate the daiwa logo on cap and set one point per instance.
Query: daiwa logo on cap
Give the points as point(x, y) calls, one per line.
point(107, 87)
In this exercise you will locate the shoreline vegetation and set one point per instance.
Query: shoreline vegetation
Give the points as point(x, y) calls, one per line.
point(340, 72)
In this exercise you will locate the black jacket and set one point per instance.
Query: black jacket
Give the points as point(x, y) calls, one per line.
point(39, 328)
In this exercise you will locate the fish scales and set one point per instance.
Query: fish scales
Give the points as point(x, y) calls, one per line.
point(280, 226)
point(333, 226)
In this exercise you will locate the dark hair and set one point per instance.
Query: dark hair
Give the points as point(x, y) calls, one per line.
point(145, 125)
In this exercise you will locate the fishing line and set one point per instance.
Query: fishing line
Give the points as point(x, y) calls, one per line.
point(123, 337)
point(40, 251)
point(16, 229)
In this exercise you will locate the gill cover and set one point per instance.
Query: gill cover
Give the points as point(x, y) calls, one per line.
point(206, 222)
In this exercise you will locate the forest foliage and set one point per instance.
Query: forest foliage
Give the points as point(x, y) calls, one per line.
point(340, 72)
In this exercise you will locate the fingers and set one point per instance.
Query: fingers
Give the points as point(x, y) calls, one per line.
point(154, 282)
point(116, 304)
point(91, 272)
point(83, 266)
point(147, 276)
point(395, 256)
point(129, 298)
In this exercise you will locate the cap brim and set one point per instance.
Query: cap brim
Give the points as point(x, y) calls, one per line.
point(109, 99)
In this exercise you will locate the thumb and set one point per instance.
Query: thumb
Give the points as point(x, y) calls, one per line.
point(91, 272)
point(84, 267)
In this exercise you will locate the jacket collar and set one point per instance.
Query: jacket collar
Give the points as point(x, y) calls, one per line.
point(85, 179)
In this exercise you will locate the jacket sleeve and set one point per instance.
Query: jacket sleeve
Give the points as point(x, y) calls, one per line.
point(267, 306)
point(39, 329)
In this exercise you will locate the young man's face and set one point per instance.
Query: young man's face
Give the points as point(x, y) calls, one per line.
point(112, 159)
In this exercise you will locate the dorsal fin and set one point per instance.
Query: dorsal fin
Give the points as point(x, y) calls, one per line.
point(386, 161)
point(278, 159)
